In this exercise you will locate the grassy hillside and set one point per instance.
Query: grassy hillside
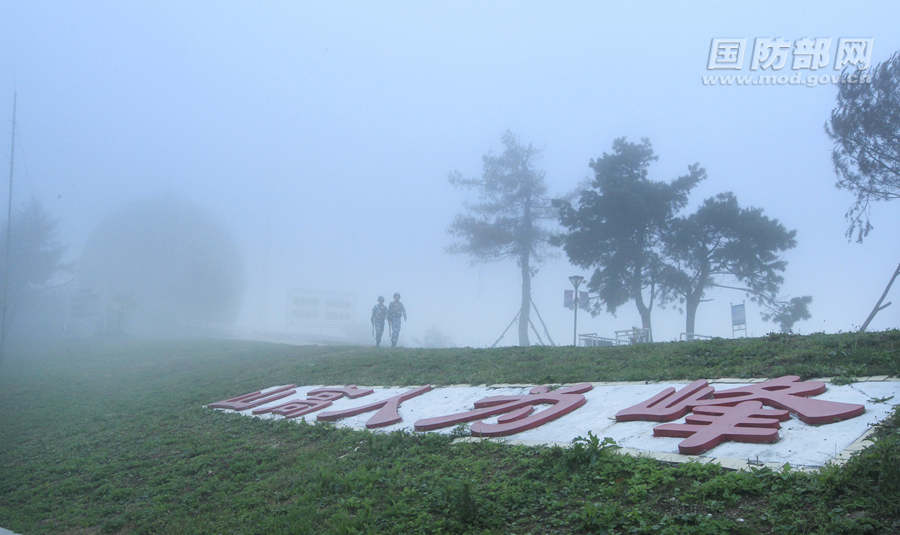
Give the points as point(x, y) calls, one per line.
point(109, 436)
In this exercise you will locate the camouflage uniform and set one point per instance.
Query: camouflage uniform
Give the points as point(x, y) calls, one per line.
point(396, 310)
point(379, 312)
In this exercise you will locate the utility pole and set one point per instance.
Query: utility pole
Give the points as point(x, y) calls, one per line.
point(576, 282)
point(12, 153)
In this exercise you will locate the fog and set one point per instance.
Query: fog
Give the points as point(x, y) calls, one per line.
point(318, 137)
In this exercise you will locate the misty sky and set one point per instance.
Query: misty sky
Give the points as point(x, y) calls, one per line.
point(321, 134)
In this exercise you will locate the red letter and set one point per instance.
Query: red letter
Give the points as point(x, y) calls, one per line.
point(790, 393)
point(668, 405)
point(316, 400)
point(254, 399)
point(293, 409)
point(388, 415)
point(517, 409)
point(350, 391)
point(710, 426)
point(786, 392)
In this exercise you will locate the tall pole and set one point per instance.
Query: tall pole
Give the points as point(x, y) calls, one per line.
point(12, 153)
point(575, 329)
point(576, 282)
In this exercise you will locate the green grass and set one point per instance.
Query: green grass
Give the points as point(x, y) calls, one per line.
point(107, 436)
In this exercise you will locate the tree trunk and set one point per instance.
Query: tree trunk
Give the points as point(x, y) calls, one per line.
point(693, 298)
point(525, 311)
point(643, 309)
point(690, 314)
point(878, 308)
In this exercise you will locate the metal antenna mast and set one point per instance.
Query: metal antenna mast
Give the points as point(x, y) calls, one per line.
point(12, 153)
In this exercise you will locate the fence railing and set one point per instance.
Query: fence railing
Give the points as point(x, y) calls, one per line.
point(686, 337)
point(634, 336)
point(622, 338)
point(594, 340)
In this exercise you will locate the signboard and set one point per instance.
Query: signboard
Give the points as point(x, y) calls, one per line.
point(583, 299)
point(738, 319)
point(316, 308)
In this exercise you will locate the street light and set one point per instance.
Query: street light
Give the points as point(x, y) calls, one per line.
point(576, 282)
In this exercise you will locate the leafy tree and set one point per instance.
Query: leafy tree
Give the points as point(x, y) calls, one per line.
point(35, 257)
point(618, 223)
point(165, 263)
point(865, 128)
point(506, 222)
point(789, 313)
point(722, 239)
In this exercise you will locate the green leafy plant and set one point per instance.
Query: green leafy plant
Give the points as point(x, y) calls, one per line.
point(591, 449)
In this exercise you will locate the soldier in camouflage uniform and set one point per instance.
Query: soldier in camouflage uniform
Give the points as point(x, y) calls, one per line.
point(396, 310)
point(379, 312)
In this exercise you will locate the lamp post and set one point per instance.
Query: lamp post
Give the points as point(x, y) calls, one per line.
point(576, 282)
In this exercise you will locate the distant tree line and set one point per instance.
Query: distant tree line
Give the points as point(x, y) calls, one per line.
point(35, 267)
point(630, 231)
point(154, 266)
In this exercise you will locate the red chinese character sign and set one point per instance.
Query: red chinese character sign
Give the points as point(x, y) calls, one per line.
point(318, 399)
point(517, 411)
point(702, 416)
point(255, 399)
point(710, 426)
point(388, 410)
point(736, 414)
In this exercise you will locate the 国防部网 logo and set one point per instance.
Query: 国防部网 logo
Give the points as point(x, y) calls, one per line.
point(808, 61)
